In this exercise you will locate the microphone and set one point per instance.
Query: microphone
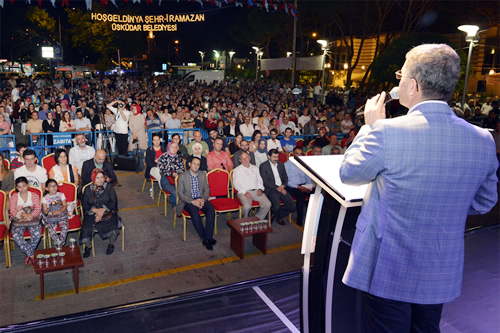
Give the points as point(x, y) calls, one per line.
point(393, 94)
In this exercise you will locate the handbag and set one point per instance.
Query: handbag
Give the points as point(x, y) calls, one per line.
point(22, 223)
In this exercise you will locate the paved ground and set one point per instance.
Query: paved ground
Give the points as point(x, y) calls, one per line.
point(156, 262)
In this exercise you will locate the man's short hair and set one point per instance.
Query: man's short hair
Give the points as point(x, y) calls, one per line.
point(288, 128)
point(274, 130)
point(29, 152)
point(219, 138)
point(436, 68)
point(297, 147)
point(272, 152)
point(195, 158)
point(20, 146)
point(212, 130)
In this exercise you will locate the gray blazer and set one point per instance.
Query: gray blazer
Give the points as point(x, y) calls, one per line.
point(184, 194)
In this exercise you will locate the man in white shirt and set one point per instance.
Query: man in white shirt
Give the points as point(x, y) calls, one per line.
point(81, 152)
point(287, 124)
point(248, 182)
point(486, 107)
point(173, 122)
point(82, 123)
point(121, 125)
point(346, 124)
point(273, 142)
point(247, 128)
point(36, 175)
point(304, 119)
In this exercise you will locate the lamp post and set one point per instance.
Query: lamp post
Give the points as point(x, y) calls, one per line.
point(324, 47)
point(258, 53)
point(202, 54)
point(472, 37)
point(217, 56)
point(231, 54)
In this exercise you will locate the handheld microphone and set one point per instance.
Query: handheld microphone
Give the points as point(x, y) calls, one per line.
point(393, 94)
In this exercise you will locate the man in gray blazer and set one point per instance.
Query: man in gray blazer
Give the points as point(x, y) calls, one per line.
point(275, 180)
point(193, 193)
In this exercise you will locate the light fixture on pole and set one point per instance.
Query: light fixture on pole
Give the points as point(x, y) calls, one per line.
point(217, 57)
point(202, 54)
point(231, 54)
point(324, 47)
point(258, 53)
point(472, 37)
point(288, 54)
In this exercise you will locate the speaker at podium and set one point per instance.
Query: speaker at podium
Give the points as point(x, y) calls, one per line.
point(327, 305)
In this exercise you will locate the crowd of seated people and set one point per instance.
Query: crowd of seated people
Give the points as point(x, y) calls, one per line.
point(248, 124)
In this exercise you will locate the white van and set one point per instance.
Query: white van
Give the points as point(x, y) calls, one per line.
point(207, 76)
point(74, 72)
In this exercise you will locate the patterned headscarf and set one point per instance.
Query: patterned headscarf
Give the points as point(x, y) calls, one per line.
point(95, 172)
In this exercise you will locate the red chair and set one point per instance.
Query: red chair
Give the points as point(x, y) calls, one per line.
point(282, 157)
point(185, 215)
point(4, 235)
point(26, 235)
point(255, 204)
point(48, 162)
point(309, 152)
point(75, 222)
point(218, 181)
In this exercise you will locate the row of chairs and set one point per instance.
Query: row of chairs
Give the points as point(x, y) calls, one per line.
point(75, 222)
point(224, 199)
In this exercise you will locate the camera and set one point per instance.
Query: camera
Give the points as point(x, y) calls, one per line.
point(121, 105)
point(135, 141)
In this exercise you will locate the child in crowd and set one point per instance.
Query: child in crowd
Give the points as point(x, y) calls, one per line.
point(54, 208)
point(18, 161)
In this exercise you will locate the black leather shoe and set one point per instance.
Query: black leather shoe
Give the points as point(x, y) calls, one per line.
point(86, 254)
point(208, 244)
point(110, 249)
point(281, 222)
point(213, 241)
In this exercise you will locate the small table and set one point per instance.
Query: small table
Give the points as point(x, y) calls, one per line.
point(259, 237)
point(72, 260)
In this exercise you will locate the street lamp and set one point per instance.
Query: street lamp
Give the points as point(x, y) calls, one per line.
point(472, 37)
point(217, 56)
point(324, 47)
point(231, 54)
point(258, 53)
point(202, 54)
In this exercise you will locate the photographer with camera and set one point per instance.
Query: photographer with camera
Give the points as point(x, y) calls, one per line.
point(122, 116)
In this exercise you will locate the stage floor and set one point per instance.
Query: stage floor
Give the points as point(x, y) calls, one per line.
point(272, 304)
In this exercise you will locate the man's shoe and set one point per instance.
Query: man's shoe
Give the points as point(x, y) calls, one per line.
point(208, 244)
point(213, 241)
point(281, 222)
point(86, 254)
point(110, 249)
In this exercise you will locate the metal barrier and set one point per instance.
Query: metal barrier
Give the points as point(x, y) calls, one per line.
point(186, 134)
point(7, 141)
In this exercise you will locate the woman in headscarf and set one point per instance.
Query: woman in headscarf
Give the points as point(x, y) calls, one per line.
point(346, 142)
point(100, 208)
point(261, 152)
point(138, 141)
point(197, 152)
point(170, 164)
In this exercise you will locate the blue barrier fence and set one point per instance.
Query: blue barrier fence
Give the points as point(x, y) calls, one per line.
point(47, 143)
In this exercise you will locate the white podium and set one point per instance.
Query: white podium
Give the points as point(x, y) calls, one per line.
point(324, 171)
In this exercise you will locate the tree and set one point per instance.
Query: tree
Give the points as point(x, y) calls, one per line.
point(92, 36)
point(385, 65)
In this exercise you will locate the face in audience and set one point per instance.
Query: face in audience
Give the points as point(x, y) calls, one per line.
point(197, 136)
point(244, 145)
point(218, 145)
point(273, 158)
point(194, 165)
point(197, 150)
point(245, 160)
point(99, 179)
point(316, 150)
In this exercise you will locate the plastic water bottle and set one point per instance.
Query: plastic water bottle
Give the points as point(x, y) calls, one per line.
point(151, 192)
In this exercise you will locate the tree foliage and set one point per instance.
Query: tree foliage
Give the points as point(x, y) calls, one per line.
point(385, 65)
point(92, 36)
point(41, 20)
